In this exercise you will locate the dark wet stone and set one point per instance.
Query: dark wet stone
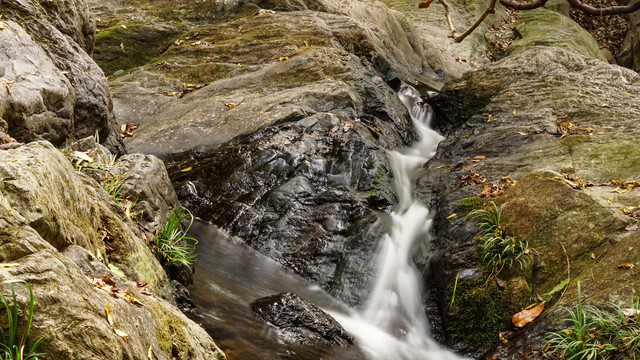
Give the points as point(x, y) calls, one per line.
point(300, 321)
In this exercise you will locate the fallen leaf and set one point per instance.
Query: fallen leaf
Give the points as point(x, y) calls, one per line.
point(150, 354)
point(515, 111)
point(233, 105)
point(9, 265)
point(424, 4)
point(632, 227)
point(107, 310)
point(526, 316)
point(630, 312)
point(593, 256)
point(628, 93)
point(523, 133)
point(82, 155)
point(187, 169)
point(627, 266)
point(178, 42)
point(440, 167)
point(123, 26)
point(196, 43)
point(481, 157)
point(1, 25)
point(451, 216)
point(121, 333)
point(122, 46)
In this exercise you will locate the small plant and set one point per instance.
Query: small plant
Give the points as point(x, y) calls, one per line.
point(14, 344)
point(498, 247)
point(597, 334)
point(172, 243)
point(112, 187)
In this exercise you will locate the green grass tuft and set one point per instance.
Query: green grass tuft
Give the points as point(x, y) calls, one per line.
point(14, 343)
point(172, 243)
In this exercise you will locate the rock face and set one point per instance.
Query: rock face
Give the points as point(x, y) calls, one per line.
point(629, 55)
point(51, 88)
point(561, 126)
point(300, 321)
point(545, 27)
point(56, 224)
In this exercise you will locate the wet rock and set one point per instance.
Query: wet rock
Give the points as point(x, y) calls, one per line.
point(300, 321)
point(57, 223)
point(529, 96)
point(182, 296)
point(54, 90)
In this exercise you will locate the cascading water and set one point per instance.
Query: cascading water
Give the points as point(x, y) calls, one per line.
point(393, 324)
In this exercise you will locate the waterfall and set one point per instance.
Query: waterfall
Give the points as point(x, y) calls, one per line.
point(393, 323)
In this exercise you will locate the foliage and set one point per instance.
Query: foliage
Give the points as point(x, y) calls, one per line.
point(499, 247)
point(112, 187)
point(13, 346)
point(172, 243)
point(598, 334)
point(470, 204)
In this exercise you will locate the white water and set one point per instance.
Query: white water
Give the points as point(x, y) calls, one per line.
point(393, 324)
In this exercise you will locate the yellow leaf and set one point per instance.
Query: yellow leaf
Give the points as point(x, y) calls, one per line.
point(593, 256)
point(527, 315)
point(609, 201)
point(150, 354)
point(628, 93)
point(121, 333)
point(9, 265)
point(440, 167)
point(187, 169)
point(107, 310)
point(489, 120)
point(451, 216)
point(515, 111)
point(523, 133)
point(627, 266)
point(123, 26)
point(1, 25)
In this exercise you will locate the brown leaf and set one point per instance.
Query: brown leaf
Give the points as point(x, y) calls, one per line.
point(424, 4)
point(526, 316)
point(632, 227)
point(627, 266)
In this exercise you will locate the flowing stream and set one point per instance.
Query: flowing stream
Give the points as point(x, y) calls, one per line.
point(392, 324)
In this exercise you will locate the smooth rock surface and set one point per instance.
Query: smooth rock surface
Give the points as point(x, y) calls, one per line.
point(300, 321)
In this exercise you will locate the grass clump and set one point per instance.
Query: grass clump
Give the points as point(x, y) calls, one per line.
point(172, 244)
point(499, 249)
point(14, 342)
point(593, 333)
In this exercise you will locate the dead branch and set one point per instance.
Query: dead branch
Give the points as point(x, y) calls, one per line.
point(458, 38)
point(519, 5)
point(611, 10)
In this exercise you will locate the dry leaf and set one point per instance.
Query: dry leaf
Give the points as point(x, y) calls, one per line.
point(451, 216)
point(81, 155)
point(523, 133)
point(440, 167)
point(178, 42)
point(515, 111)
point(121, 333)
point(150, 354)
point(528, 315)
point(107, 310)
point(1, 25)
point(632, 227)
point(232, 105)
point(424, 4)
point(627, 266)
point(122, 46)
point(187, 169)
point(9, 265)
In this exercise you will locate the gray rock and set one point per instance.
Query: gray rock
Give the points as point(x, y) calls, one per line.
point(50, 55)
point(300, 321)
point(55, 223)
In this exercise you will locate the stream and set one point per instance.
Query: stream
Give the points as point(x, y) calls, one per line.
point(391, 324)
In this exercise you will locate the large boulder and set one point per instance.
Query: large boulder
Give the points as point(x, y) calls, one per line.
point(561, 126)
point(51, 88)
point(78, 250)
point(546, 27)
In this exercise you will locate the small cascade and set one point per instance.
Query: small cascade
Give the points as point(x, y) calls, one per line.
point(393, 324)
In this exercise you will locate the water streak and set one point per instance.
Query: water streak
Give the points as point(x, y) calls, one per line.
point(393, 324)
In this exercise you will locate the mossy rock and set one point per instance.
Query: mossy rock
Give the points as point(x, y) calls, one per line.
point(549, 28)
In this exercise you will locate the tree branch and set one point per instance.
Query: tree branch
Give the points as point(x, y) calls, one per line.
point(447, 15)
point(611, 10)
point(519, 5)
point(490, 10)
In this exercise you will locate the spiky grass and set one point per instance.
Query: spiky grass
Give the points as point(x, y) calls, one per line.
point(499, 249)
point(596, 333)
point(172, 242)
point(14, 343)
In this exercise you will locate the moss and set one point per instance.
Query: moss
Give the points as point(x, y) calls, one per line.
point(126, 45)
point(469, 204)
point(480, 313)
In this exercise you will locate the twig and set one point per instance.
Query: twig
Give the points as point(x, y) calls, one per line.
point(568, 273)
point(490, 10)
point(448, 17)
point(305, 243)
